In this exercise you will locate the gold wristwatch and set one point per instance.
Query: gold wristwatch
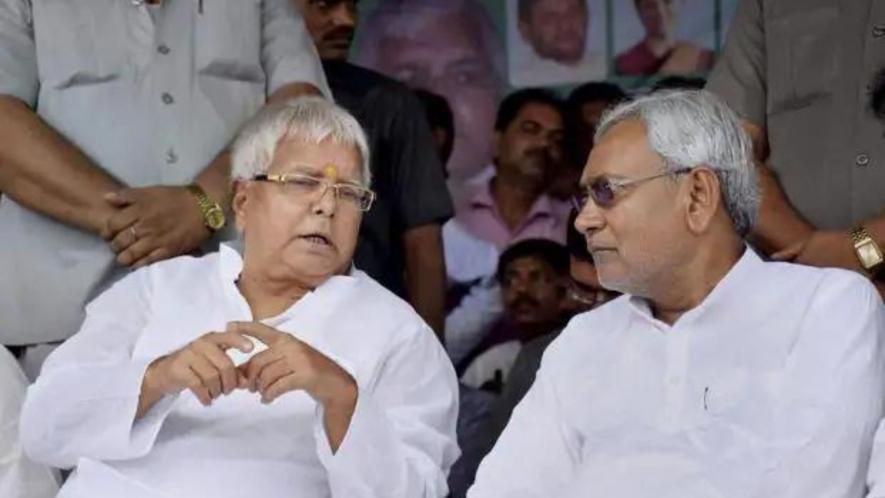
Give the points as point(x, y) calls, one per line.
point(213, 214)
point(868, 251)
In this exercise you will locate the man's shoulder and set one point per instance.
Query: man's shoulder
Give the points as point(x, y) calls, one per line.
point(382, 302)
point(587, 332)
point(185, 270)
point(830, 284)
point(359, 81)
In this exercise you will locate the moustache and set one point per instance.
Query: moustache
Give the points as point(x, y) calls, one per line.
point(340, 34)
point(540, 155)
point(521, 301)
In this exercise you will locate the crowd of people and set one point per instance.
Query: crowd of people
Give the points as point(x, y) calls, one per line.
point(239, 262)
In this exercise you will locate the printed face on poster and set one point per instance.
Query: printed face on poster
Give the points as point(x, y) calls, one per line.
point(449, 47)
point(556, 42)
point(664, 37)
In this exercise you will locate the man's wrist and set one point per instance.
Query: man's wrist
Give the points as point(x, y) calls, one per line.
point(211, 212)
point(343, 400)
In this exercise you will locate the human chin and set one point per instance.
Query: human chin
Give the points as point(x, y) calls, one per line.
point(611, 270)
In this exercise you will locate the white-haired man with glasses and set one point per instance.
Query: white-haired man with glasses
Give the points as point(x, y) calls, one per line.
point(272, 370)
point(717, 374)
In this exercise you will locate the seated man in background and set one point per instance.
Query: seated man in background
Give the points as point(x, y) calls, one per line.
point(533, 275)
point(514, 204)
point(273, 370)
point(511, 206)
point(400, 243)
point(477, 439)
point(717, 374)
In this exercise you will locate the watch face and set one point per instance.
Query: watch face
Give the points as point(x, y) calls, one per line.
point(869, 255)
point(215, 219)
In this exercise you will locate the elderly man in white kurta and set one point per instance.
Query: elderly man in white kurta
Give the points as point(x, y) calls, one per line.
point(275, 371)
point(717, 374)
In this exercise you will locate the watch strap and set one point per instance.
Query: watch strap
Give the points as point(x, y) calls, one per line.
point(205, 203)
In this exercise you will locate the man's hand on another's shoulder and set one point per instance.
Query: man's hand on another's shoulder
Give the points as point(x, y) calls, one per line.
point(153, 223)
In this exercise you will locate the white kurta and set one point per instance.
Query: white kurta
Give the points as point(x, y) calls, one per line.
point(401, 439)
point(772, 387)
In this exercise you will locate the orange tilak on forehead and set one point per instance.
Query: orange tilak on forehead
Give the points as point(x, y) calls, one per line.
point(330, 171)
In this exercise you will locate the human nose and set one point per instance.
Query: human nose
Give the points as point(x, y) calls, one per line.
point(326, 204)
point(589, 218)
point(344, 15)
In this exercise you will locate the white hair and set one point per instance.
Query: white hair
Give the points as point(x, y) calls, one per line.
point(690, 128)
point(310, 119)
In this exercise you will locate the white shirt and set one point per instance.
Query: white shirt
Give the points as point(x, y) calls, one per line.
point(149, 103)
point(19, 476)
point(772, 387)
point(495, 363)
point(401, 439)
point(470, 260)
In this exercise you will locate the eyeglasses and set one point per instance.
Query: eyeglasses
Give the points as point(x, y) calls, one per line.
point(604, 190)
point(306, 185)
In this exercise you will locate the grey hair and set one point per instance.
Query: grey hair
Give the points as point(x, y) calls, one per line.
point(690, 128)
point(397, 18)
point(309, 118)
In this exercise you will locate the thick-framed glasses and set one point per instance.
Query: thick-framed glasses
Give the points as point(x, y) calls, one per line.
point(305, 185)
point(604, 191)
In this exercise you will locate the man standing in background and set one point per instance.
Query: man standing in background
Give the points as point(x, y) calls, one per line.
point(116, 119)
point(800, 74)
point(401, 234)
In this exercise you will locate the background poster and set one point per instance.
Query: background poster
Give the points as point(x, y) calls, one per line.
point(470, 51)
point(539, 41)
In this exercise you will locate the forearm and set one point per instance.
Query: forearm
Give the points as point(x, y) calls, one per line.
point(426, 274)
point(779, 224)
point(215, 179)
point(150, 392)
point(337, 417)
point(42, 171)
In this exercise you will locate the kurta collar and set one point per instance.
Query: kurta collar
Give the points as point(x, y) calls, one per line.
point(725, 297)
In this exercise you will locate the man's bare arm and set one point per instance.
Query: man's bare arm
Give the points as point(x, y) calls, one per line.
point(42, 171)
point(150, 210)
point(779, 224)
point(426, 273)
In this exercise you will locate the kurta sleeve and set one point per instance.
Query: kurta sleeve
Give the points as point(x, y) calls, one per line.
point(401, 440)
point(536, 455)
point(18, 55)
point(739, 76)
point(288, 54)
point(85, 400)
point(835, 386)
